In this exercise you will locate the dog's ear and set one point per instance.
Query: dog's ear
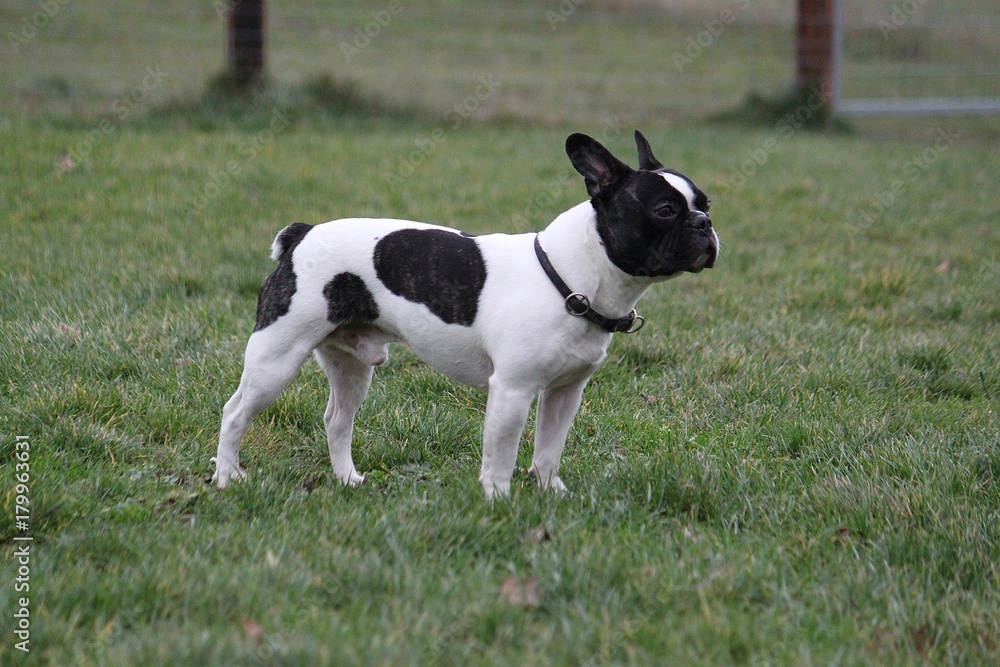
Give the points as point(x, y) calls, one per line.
point(600, 169)
point(646, 159)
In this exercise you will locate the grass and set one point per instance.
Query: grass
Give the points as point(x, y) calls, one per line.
point(795, 462)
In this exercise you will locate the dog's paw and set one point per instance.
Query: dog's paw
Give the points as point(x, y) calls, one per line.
point(494, 489)
point(353, 478)
point(555, 485)
point(549, 482)
point(224, 474)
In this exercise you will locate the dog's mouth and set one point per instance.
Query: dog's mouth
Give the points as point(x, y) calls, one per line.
point(706, 260)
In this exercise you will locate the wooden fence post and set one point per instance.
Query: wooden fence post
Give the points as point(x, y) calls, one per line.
point(814, 45)
point(246, 41)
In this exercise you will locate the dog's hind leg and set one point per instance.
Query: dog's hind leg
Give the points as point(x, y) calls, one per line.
point(350, 376)
point(273, 358)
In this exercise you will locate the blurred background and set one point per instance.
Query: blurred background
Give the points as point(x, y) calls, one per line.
point(546, 62)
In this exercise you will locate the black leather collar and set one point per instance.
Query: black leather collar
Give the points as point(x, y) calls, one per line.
point(579, 305)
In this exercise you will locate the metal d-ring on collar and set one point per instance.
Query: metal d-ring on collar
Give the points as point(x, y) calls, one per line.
point(578, 304)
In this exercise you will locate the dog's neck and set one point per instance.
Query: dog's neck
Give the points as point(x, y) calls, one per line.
point(577, 253)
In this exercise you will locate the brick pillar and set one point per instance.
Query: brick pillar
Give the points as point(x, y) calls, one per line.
point(246, 40)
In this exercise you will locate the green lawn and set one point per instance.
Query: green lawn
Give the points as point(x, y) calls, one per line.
point(795, 462)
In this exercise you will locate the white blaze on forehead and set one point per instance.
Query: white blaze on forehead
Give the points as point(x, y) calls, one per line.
point(682, 186)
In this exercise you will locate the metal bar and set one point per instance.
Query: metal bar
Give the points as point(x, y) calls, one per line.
point(925, 105)
point(837, 61)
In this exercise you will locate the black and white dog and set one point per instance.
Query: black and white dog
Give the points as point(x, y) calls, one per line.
point(525, 316)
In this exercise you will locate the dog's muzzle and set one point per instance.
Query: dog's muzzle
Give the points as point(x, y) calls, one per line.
point(700, 223)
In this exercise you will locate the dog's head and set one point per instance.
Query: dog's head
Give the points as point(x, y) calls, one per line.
point(653, 221)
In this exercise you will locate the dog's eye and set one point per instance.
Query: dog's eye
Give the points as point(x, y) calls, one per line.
point(665, 211)
point(708, 205)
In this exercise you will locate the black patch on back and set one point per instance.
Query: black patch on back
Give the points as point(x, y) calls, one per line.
point(442, 270)
point(275, 297)
point(348, 300)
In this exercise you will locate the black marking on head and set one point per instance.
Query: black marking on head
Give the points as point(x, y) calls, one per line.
point(275, 296)
point(646, 159)
point(440, 269)
point(601, 171)
point(348, 300)
point(648, 227)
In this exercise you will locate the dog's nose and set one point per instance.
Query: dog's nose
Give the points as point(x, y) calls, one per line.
point(699, 220)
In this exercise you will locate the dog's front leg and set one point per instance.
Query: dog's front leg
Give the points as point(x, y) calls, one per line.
point(507, 409)
point(556, 408)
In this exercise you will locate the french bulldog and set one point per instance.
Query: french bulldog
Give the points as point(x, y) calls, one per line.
point(523, 316)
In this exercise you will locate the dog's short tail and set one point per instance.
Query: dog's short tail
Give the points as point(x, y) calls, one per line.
point(287, 239)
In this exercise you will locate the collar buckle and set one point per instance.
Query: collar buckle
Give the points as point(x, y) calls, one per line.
point(577, 305)
point(635, 322)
